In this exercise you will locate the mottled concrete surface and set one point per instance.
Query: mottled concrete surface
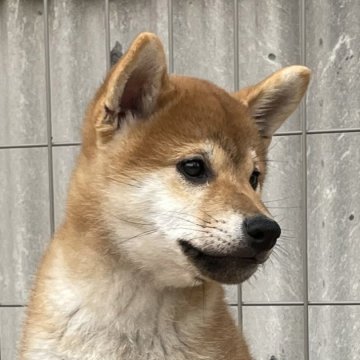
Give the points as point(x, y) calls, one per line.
point(333, 217)
point(128, 18)
point(333, 53)
point(334, 332)
point(269, 39)
point(77, 62)
point(10, 324)
point(202, 40)
point(24, 220)
point(275, 332)
point(22, 72)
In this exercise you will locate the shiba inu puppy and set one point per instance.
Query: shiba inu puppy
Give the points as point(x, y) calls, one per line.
point(164, 206)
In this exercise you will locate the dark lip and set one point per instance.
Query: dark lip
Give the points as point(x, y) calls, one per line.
point(194, 252)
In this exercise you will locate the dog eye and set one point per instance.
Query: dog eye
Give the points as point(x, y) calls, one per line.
point(254, 179)
point(194, 170)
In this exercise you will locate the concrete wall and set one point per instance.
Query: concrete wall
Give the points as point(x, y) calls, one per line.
point(305, 302)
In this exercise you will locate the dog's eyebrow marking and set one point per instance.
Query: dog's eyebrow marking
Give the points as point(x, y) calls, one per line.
point(253, 154)
point(228, 146)
point(254, 159)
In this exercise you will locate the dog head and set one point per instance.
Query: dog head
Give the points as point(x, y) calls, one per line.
point(172, 168)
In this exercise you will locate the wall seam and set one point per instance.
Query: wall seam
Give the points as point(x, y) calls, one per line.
point(285, 133)
point(302, 38)
point(107, 34)
point(48, 117)
point(236, 88)
point(170, 36)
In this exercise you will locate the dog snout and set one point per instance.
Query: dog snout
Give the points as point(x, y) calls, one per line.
point(261, 232)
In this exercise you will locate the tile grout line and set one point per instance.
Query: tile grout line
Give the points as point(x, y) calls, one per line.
point(257, 304)
point(302, 38)
point(286, 133)
point(29, 146)
point(66, 144)
point(236, 88)
point(170, 36)
point(107, 34)
point(48, 117)
point(332, 131)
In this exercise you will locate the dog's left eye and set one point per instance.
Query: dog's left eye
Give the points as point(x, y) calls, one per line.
point(254, 179)
point(194, 170)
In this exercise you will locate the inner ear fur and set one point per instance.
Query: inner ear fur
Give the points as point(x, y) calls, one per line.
point(133, 86)
point(274, 99)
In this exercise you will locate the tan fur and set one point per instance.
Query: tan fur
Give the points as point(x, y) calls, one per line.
point(114, 283)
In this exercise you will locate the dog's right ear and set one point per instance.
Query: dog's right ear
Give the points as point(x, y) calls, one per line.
point(133, 86)
point(274, 99)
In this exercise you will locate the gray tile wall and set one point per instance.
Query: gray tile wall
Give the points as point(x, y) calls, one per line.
point(22, 69)
point(10, 324)
point(335, 333)
point(77, 62)
point(269, 39)
point(203, 33)
point(333, 52)
point(24, 220)
point(275, 332)
point(312, 191)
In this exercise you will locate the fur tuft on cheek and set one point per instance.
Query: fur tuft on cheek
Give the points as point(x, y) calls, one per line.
point(153, 220)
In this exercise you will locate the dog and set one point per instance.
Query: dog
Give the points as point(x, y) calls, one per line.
point(164, 206)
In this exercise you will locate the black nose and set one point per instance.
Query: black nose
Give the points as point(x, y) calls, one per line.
point(262, 232)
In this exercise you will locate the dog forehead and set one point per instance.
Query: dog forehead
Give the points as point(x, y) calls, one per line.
point(190, 116)
point(201, 112)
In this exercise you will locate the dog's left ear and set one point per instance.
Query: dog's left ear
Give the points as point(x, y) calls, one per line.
point(132, 88)
point(274, 99)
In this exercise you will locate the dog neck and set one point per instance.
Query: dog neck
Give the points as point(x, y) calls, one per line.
point(108, 296)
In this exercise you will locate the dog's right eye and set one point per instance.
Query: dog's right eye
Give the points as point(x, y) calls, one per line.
point(194, 170)
point(254, 179)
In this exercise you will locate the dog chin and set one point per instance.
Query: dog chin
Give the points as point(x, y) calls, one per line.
point(229, 275)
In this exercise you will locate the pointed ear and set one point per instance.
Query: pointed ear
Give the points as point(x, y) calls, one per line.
point(133, 86)
point(274, 99)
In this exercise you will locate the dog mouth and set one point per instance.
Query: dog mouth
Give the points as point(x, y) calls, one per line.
point(194, 252)
point(227, 269)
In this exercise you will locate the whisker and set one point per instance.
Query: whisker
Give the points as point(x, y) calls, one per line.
point(282, 250)
point(187, 220)
point(202, 237)
point(122, 182)
point(276, 256)
point(210, 216)
point(148, 232)
point(275, 161)
point(284, 207)
point(197, 217)
point(202, 226)
point(134, 222)
point(197, 230)
point(270, 201)
point(274, 145)
point(286, 238)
